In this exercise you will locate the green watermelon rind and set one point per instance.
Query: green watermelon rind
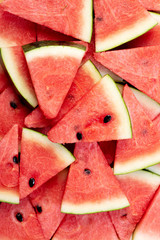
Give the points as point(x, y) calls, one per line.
point(9, 196)
point(92, 70)
point(154, 169)
point(88, 39)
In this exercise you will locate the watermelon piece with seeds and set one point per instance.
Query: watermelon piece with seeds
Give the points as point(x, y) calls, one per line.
point(92, 226)
point(100, 115)
point(139, 188)
point(138, 66)
point(149, 226)
point(16, 66)
point(144, 148)
point(91, 186)
point(72, 18)
point(40, 160)
point(153, 5)
point(56, 64)
point(19, 222)
point(120, 21)
point(47, 202)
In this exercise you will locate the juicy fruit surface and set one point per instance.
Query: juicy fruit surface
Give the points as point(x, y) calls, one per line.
point(91, 189)
point(81, 227)
point(4, 81)
point(153, 5)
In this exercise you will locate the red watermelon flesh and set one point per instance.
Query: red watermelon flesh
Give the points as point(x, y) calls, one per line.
point(73, 18)
point(153, 5)
point(47, 202)
point(12, 229)
point(149, 226)
point(9, 170)
point(138, 66)
point(139, 188)
point(89, 226)
point(143, 149)
point(91, 186)
point(108, 148)
point(4, 82)
point(15, 31)
point(12, 111)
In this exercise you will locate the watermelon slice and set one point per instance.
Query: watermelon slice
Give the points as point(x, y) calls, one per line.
point(72, 18)
point(151, 107)
point(4, 81)
point(56, 65)
point(149, 226)
point(16, 66)
point(144, 148)
point(40, 160)
point(108, 148)
point(92, 226)
point(120, 21)
point(139, 188)
point(90, 189)
point(19, 222)
point(153, 5)
point(138, 66)
point(15, 31)
point(100, 115)
point(47, 202)
point(12, 111)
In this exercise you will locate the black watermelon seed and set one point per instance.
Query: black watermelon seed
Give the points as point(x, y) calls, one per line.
point(15, 160)
point(13, 104)
point(39, 208)
point(99, 19)
point(124, 215)
point(31, 182)
point(19, 217)
point(79, 136)
point(87, 171)
point(107, 118)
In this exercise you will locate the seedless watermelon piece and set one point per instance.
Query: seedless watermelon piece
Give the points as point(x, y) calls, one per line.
point(69, 17)
point(47, 202)
point(138, 66)
point(91, 186)
point(16, 66)
point(120, 21)
point(15, 31)
point(4, 81)
point(139, 188)
point(19, 222)
point(92, 226)
point(100, 115)
point(144, 148)
point(153, 5)
point(40, 160)
point(149, 226)
point(52, 66)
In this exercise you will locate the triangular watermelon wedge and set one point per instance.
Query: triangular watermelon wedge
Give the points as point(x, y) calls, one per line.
point(19, 222)
point(138, 66)
point(80, 227)
point(149, 226)
point(120, 21)
point(143, 149)
point(72, 18)
point(139, 188)
point(47, 202)
point(100, 115)
point(40, 160)
point(52, 66)
point(91, 186)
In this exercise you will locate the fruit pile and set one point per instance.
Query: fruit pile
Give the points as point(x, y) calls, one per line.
point(79, 120)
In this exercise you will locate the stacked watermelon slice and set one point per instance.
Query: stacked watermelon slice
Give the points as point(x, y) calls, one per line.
point(79, 120)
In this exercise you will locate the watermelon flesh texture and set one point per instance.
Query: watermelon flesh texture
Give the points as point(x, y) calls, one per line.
point(12, 229)
point(108, 148)
point(92, 226)
point(90, 189)
point(71, 18)
point(153, 5)
point(138, 66)
point(48, 197)
point(120, 21)
point(15, 31)
point(85, 122)
point(40, 160)
point(149, 226)
point(16, 66)
point(139, 188)
point(143, 149)
point(56, 66)
point(4, 81)
point(11, 115)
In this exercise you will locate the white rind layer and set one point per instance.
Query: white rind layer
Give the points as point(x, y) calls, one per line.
point(9, 195)
point(93, 207)
point(144, 236)
point(155, 169)
point(92, 71)
point(87, 12)
point(125, 35)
